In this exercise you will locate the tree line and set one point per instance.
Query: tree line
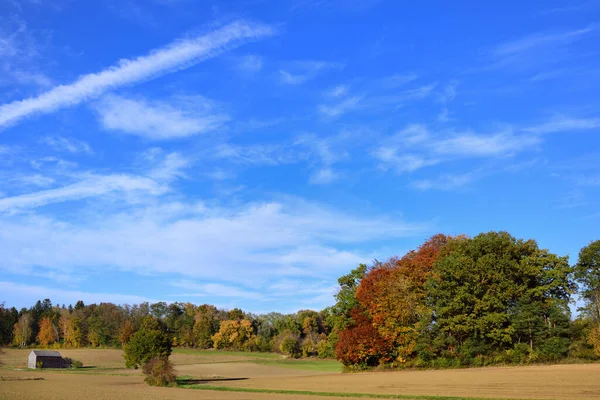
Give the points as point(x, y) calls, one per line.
point(453, 301)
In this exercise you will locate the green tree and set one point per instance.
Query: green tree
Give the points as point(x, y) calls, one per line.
point(587, 273)
point(8, 318)
point(338, 316)
point(150, 341)
point(490, 292)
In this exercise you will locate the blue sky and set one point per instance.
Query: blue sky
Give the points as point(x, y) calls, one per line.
point(248, 153)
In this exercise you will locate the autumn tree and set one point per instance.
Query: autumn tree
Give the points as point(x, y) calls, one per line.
point(206, 325)
point(361, 344)
point(393, 295)
point(233, 335)
point(126, 331)
point(47, 332)
point(23, 331)
point(71, 329)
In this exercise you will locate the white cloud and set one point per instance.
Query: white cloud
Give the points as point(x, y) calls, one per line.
point(36, 180)
point(303, 71)
point(170, 168)
point(469, 144)
point(257, 154)
point(538, 40)
point(244, 245)
point(415, 147)
point(179, 55)
point(159, 120)
point(323, 176)
point(563, 123)
point(390, 158)
point(445, 182)
point(90, 186)
point(340, 108)
point(537, 50)
point(28, 294)
point(250, 64)
point(69, 145)
point(213, 290)
point(395, 81)
point(338, 91)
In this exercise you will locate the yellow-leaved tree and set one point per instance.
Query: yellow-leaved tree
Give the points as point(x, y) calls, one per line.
point(47, 333)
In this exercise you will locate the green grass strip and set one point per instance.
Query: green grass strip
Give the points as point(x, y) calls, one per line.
point(334, 394)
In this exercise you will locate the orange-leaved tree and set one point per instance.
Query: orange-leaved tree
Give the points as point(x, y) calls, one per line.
point(361, 344)
point(47, 333)
point(393, 295)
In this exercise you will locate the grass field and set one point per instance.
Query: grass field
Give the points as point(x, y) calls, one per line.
point(232, 375)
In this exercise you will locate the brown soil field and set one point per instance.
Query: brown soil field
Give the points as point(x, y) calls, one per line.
point(110, 380)
point(536, 382)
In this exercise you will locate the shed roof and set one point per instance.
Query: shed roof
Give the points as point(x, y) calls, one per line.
point(46, 353)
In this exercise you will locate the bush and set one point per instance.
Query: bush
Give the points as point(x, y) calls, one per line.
point(326, 347)
point(554, 349)
point(73, 363)
point(290, 346)
point(159, 372)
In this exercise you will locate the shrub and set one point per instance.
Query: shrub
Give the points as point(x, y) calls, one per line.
point(73, 363)
point(326, 346)
point(554, 348)
point(290, 346)
point(159, 372)
point(308, 347)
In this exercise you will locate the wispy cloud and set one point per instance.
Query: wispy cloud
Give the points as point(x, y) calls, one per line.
point(64, 144)
point(338, 91)
point(27, 294)
point(537, 49)
point(91, 186)
point(159, 170)
point(415, 147)
point(271, 154)
point(250, 64)
point(159, 120)
point(20, 52)
point(323, 176)
point(469, 144)
point(444, 182)
point(573, 7)
point(213, 290)
point(300, 72)
point(290, 238)
point(565, 123)
point(538, 40)
point(181, 54)
point(335, 110)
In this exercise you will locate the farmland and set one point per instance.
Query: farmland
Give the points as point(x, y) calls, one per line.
point(231, 375)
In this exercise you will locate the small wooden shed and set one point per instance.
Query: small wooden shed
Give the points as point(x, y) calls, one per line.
point(48, 359)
